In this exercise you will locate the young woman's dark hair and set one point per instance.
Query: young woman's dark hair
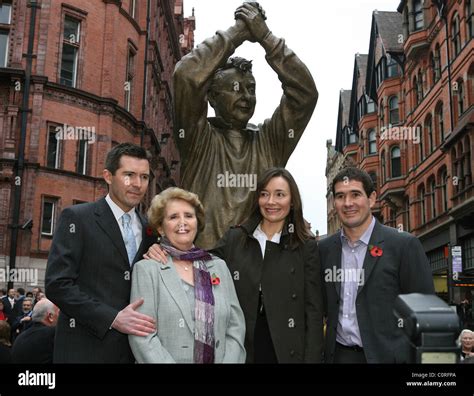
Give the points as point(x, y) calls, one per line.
point(295, 222)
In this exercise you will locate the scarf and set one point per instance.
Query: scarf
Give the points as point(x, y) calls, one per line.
point(204, 300)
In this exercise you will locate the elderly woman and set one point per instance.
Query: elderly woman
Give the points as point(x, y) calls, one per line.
point(466, 340)
point(191, 296)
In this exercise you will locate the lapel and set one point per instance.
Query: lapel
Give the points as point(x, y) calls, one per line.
point(376, 239)
point(172, 282)
point(106, 221)
point(335, 257)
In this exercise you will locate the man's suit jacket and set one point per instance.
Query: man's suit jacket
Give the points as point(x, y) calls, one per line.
point(10, 312)
point(403, 268)
point(35, 345)
point(88, 277)
point(166, 301)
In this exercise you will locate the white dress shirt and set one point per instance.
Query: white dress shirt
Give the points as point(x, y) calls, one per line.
point(136, 224)
point(262, 238)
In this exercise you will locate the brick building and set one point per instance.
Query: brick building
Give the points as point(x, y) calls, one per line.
point(99, 73)
point(411, 124)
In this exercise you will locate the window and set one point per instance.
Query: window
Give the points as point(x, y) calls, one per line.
point(429, 133)
point(5, 19)
point(395, 163)
point(352, 138)
point(422, 137)
point(372, 141)
point(469, 20)
point(380, 71)
point(440, 122)
point(467, 162)
point(392, 68)
point(456, 34)
point(370, 105)
point(461, 98)
point(393, 109)
point(433, 197)
point(70, 52)
point(419, 87)
point(407, 214)
point(82, 154)
point(444, 190)
point(47, 221)
point(361, 108)
point(382, 162)
point(373, 176)
point(5, 13)
point(54, 149)
point(418, 14)
point(381, 114)
point(133, 8)
point(421, 198)
point(437, 63)
point(130, 74)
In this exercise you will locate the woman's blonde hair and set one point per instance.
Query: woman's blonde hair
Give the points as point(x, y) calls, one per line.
point(156, 213)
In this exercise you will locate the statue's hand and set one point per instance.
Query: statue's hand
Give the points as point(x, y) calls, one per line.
point(254, 17)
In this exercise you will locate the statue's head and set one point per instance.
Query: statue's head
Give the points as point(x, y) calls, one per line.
point(232, 92)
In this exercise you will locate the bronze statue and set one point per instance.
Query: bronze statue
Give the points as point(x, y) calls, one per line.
point(222, 157)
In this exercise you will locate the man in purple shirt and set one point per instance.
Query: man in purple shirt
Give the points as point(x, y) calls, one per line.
point(366, 265)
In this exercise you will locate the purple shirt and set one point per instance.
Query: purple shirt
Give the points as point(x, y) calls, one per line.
point(352, 261)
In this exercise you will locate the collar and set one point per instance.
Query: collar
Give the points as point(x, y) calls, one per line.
point(259, 232)
point(117, 210)
point(365, 237)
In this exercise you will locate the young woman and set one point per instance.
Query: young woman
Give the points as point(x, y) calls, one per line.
point(275, 266)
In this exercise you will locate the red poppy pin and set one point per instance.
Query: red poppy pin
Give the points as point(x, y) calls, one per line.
point(375, 251)
point(215, 280)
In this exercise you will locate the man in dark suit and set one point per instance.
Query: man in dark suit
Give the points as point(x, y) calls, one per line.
point(11, 307)
point(90, 262)
point(366, 265)
point(35, 345)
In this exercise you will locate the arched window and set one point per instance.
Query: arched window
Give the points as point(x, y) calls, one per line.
point(415, 90)
point(395, 162)
point(383, 165)
point(419, 87)
point(461, 97)
point(437, 63)
point(456, 34)
point(467, 162)
point(454, 170)
point(418, 14)
point(433, 197)
point(429, 133)
point(421, 199)
point(372, 135)
point(393, 109)
point(421, 144)
point(373, 176)
point(444, 189)
point(381, 114)
point(439, 122)
point(407, 214)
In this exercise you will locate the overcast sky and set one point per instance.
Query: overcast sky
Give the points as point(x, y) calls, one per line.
point(325, 35)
